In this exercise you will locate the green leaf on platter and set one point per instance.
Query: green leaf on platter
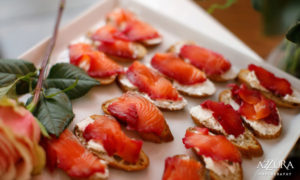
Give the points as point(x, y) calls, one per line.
point(54, 113)
point(294, 33)
point(64, 75)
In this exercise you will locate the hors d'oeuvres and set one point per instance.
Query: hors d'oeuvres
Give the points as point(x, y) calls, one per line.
point(183, 167)
point(102, 135)
point(95, 63)
point(186, 78)
point(139, 115)
point(259, 113)
point(278, 89)
point(221, 157)
point(214, 65)
point(152, 85)
point(68, 154)
point(132, 28)
point(109, 40)
point(223, 119)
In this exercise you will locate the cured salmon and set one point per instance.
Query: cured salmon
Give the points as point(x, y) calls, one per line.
point(140, 115)
point(278, 86)
point(69, 155)
point(95, 63)
point(107, 131)
point(131, 27)
point(216, 147)
point(253, 105)
point(229, 119)
point(175, 68)
point(152, 83)
point(183, 167)
point(206, 60)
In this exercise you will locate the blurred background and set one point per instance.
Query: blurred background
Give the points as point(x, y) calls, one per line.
point(23, 23)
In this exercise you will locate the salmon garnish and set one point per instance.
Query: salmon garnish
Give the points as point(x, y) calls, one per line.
point(206, 60)
point(95, 63)
point(69, 155)
point(107, 131)
point(253, 105)
point(216, 147)
point(151, 82)
point(175, 68)
point(229, 119)
point(278, 86)
point(183, 167)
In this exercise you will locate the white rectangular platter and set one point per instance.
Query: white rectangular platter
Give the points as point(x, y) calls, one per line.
point(172, 31)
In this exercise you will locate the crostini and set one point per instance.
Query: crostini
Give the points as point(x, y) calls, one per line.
point(152, 85)
point(95, 63)
point(223, 119)
point(108, 40)
point(221, 157)
point(132, 28)
point(278, 89)
point(140, 115)
point(214, 65)
point(68, 154)
point(103, 136)
point(183, 167)
point(259, 113)
point(187, 79)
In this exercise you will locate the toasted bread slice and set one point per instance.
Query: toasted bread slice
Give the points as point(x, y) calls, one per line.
point(108, 80)
point(231, 74)
point(126, 85)
point(259, 128)
point(114, 161)
point(166, 134)
point(243, 77)
point(246, 142)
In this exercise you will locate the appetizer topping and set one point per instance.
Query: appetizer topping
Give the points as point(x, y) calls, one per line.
point(183, 167)
point(95, 63)
point(216, 147)
point(206, 60)
point(151, 82)
point(229, 119)
point(131, 27)
point(138, 113)
point(112, 42)
point(107, 131)
point(254, 106)
point(68, 154)
point(175, 68)
point(276, 85)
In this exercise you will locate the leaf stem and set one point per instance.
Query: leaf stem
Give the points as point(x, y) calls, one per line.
point(45, 59)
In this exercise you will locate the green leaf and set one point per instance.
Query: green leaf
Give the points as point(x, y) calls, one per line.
point(54, 113)
point(5, 90)
point(294, 33)
point(64, 75)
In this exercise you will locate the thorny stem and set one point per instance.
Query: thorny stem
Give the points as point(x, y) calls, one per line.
point(45, 59)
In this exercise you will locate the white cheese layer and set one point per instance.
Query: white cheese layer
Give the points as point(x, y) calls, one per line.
point(205, 117)
point(254, 83)
point(221, 167)
point(84, 123)
point(230, 74)
point(199, 89)
point(154, 41)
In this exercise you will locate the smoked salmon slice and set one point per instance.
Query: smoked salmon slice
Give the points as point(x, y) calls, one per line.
point(95, 63)
point(69, 155)
point(206, 60)
point(152, 83)
point(183, 167)
point(278, 86)
point(107, 131)
point(140, 115)
point(229, 119)
point(253, 105)
point(216, 147)
point(175, 68)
